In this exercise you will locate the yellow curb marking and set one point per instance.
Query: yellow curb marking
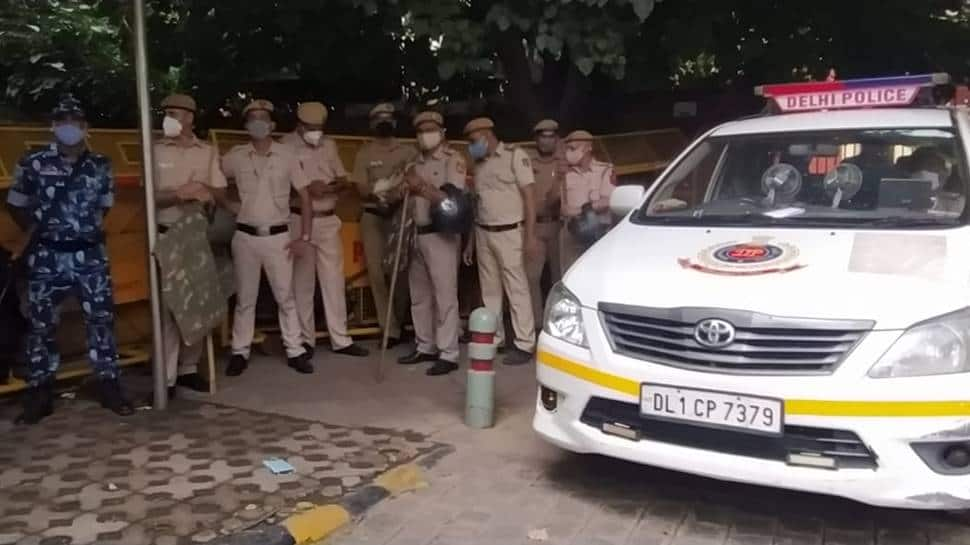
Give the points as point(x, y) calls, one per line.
point(317, 523)
point(402, 479)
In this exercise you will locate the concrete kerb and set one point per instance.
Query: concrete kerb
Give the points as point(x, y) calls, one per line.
point(320, 522)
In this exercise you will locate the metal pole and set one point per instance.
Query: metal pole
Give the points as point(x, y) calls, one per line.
point(148, 175)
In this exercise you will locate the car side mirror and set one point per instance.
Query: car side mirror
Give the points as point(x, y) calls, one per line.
point(625, 198)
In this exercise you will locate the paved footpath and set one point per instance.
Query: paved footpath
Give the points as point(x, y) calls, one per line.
point(501, 486)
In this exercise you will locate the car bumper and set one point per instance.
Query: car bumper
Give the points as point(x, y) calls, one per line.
point(901, 478)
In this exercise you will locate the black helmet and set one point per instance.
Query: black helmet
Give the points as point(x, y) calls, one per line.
point(586, 227)
point(454, 213)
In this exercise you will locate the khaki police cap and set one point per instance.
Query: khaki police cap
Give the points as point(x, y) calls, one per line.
point(546, 125)
point(258, 104)
point(182, 102)
point(579, 136)
point(429, 117)
point(382, 109)
point(478, 124)
point(312, 113)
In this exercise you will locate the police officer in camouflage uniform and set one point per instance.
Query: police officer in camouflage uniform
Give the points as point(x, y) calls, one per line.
point(62, 194)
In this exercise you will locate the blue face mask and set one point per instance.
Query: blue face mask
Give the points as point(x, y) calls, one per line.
point(478, 149)
point(69, 135)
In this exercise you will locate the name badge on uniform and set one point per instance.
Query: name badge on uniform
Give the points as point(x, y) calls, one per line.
point(162, 164)
point(377, 163)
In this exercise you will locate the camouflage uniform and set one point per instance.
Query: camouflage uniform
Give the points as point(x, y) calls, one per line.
point(67, 203)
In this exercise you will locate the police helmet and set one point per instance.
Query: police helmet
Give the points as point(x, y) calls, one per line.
point(454, 213)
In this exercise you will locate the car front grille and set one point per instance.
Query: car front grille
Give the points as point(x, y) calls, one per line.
point(845, 447)
point(762, 344)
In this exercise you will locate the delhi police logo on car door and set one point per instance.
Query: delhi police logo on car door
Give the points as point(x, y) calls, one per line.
point(714, 333)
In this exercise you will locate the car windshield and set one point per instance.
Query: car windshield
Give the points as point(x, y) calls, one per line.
point(864, 178)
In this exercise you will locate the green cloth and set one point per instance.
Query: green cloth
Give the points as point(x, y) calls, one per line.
point(192, 286)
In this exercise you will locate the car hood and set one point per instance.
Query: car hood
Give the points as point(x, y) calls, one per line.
point(894, 278)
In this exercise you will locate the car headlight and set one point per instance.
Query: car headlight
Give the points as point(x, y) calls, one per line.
point(564, 317)
point(937, 347)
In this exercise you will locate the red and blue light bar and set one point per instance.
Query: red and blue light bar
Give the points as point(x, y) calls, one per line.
point(853, 93)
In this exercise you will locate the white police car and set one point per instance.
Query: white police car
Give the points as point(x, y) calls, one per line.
point(788, 305)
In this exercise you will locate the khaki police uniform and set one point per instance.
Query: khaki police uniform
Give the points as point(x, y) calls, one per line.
point(433, 270)
point(262, 234)
point(175, 166)
point(377, 160)
point(499, 179)
point(326, 262)
point(550, 173)
point(583, 185)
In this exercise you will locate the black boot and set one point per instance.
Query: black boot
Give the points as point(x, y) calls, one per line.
point(310, 350)
point(38, 403)
point(416, 357)
point(109, 390)
point(301, 364)
point(441, 367)
point(237, 364)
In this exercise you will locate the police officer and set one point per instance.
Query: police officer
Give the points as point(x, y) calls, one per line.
point(585, 198)
point(321, 164)
point(549, 168)
point(377, 161)
point(264, 172)
point(436, 180)
point(186, 170)
point(505, 230)
point(62, 194)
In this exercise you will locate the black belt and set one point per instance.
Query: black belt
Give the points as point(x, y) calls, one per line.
point(162, 229)
point(69, 245)
point(426, 229)
point(262, 231)
point(499, 228)
point(547, 219)
point(315, 213)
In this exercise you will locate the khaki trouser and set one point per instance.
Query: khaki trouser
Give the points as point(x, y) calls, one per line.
point(569, 250)
point(250, 255)
point(326, 263)
point(500, 265)
point(180, 359)
point(548, 235)
point(433, 279)
point(373, 234)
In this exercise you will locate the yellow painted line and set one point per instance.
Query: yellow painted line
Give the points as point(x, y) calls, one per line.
point(803, 407)
point(317, 523)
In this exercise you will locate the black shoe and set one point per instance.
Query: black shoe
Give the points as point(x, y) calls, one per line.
point(309, 351)
point(517, 357)
point(172, 392)
point(109, 390)
point(416, 357)
point(193, 381)
point(354, 350)
point(441, 367)
point(301, 364)
point(38, 404)
point(237, 364)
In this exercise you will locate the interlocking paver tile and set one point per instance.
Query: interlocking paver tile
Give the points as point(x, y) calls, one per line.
point(84, 529)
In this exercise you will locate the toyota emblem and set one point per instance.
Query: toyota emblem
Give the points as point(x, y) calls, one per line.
point(714, 333)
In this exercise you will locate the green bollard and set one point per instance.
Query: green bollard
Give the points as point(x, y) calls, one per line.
point(480, 390)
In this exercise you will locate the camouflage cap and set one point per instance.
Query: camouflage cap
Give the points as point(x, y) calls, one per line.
point(546, 125)
point(68, 106)
point(312, 113)
point(579, 136)
point(182, 102)
point(478, 124)
point(429, 117)
point(258, 104)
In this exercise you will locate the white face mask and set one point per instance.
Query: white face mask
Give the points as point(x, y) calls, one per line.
point(429, 140)
point(931, 177)
point(312, 137)
point(574, 156)
point(171, 127)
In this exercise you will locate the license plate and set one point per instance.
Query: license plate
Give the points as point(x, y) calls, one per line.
point(714, 409)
